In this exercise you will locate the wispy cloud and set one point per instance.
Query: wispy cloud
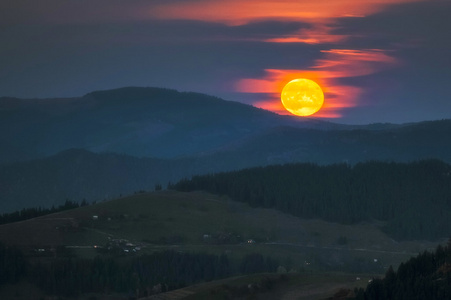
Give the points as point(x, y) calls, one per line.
point(321, 18)
point(233, 47)
point(235, 12)
point(327, 71)
point(317, 34)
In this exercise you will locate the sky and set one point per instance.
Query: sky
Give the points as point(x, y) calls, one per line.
point(376, 60)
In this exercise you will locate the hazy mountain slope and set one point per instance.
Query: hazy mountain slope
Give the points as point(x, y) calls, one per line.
point(151, 122)
point(413, 198)
point(78, 174)
point(194, 133)
point(287, 144)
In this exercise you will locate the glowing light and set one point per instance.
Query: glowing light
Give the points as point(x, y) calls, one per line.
point(319, 34)
point(302, 97)
point(336, 64)
point(320, 18)
point(238, 12)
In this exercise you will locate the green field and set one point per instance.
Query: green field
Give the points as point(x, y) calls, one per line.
point(202, 222)
point(273, 286)
point(319, 257)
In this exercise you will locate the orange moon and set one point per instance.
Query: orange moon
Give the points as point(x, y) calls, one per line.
point(302, 97)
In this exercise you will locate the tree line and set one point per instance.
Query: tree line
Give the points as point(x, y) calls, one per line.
point(34, 212)
point(137, 276)
point(13, 264)
point(413, 198)
point(427, 276)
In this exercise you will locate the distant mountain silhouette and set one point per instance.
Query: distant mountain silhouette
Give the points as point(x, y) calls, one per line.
point(79, 174)
point(177, 135)
point(403, 144)
point(144, 122)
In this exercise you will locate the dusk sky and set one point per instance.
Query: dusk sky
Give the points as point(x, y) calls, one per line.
point(376, 60)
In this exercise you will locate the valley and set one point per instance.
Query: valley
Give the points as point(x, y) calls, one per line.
point(109, 144)
point(199, 222)
point(152, 193)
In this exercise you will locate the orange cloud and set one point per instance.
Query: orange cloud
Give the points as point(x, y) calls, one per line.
point(275, 106)
point(318, 34)
point(237, 12)
point(337, 63)
point(321, 16)
point(352, 63)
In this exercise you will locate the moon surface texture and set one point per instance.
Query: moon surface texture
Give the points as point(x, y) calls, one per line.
point(302, 97)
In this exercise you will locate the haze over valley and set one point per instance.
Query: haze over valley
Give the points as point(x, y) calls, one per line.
point(112, 143)
point(212, 150)
point(248, 191)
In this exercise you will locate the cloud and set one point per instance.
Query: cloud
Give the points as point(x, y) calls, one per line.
point(327, 72)
point(322, 15)
point(341, 63)
point(230, 12)
point(65, 12)
point(234, 12)
point(361, 52)
point(324, 25)
point(417, 35)
point(410, 23)
point(317, 34)
point(194, 31)
point(72, 59)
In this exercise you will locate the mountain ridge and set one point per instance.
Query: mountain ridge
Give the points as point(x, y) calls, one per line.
point(136, 147)
point(149, 122)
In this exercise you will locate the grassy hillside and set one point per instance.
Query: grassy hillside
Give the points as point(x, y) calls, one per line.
point(412, 198)
point(265, 286)
point(202, 222)
point(317, 259)
point(272, 286)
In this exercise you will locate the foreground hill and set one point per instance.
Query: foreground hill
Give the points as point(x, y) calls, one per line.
point(154, 242)
point(413, 198)
point(426, 276)
point(204, 222)
point(195, 237)
point(150, 122)
point(307, 286)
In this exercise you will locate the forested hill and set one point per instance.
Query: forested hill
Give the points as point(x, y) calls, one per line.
point(413, 198)
point(167, 124)
point(427, 276)
point(142, 122)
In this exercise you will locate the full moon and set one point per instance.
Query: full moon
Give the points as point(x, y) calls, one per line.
point(302, 97)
